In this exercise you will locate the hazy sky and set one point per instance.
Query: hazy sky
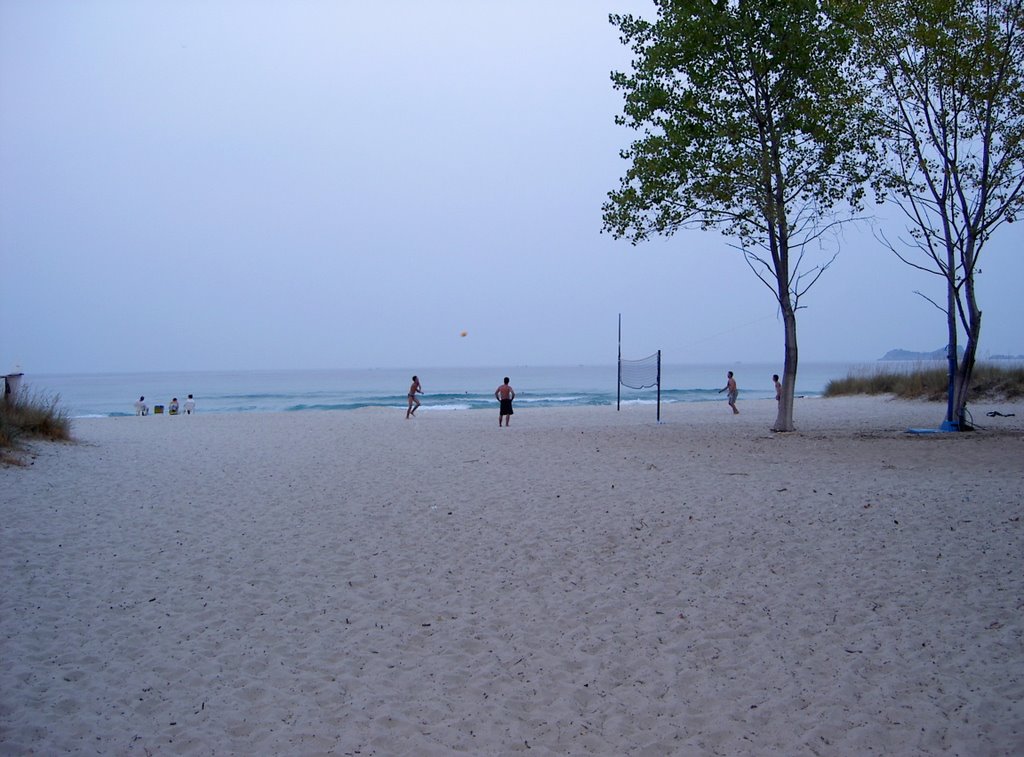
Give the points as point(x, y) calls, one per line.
point(233, 185)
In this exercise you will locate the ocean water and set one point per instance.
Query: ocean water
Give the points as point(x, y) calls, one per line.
point(445, 389)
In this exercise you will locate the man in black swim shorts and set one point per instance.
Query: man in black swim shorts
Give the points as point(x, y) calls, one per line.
point(504, 394)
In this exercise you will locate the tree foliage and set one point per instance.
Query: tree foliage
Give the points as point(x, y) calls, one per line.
point(950, 117)
point(750, 120)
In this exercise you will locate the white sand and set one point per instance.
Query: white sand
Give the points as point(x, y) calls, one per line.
point(584, 582)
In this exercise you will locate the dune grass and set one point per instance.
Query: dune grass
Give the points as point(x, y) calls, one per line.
point(990, 382)
point(27, 416)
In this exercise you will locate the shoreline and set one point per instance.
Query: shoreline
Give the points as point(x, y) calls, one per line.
point(811, 412)
point(584, 581)
point(247, 391)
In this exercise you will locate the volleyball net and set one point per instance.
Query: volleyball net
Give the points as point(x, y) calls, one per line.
point(644, 373)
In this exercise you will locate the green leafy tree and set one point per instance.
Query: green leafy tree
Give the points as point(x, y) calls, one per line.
point(951, 119)
point(750, 121)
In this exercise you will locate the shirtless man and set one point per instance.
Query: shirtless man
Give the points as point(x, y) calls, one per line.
point(733, 392)
point(414, 403)
point(778, 387)
point(504, 394)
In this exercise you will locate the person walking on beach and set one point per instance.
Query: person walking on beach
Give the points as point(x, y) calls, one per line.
point(778, 387)
point(190, 405)
point(504, 394)
point(141, 408)
point(733, 392)
point(414, 403)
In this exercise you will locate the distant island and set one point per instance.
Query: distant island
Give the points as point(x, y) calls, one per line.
point(939, 354)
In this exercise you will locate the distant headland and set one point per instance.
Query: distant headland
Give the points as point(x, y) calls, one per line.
point(939, 354)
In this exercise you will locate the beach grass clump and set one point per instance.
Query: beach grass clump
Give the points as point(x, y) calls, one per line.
point(993, 381)
point(25, 416)
point(931, 383)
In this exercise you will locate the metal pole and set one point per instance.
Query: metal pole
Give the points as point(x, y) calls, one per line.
point(659, 386)
point(618, 382)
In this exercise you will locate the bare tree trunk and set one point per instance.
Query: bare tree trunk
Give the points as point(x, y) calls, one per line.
point(951, 346)
point(784, 420)
point(966, 369)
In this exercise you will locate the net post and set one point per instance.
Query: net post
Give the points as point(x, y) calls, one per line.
point(659, 386)
point(618, 383)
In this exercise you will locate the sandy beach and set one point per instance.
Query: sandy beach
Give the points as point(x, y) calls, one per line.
point(584, 582)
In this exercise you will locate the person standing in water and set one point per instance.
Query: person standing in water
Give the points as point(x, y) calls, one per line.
point(504, 394)
point(733, 392)
point(414, 403)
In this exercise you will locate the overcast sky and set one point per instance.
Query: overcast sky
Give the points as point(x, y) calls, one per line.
point(236, 185)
